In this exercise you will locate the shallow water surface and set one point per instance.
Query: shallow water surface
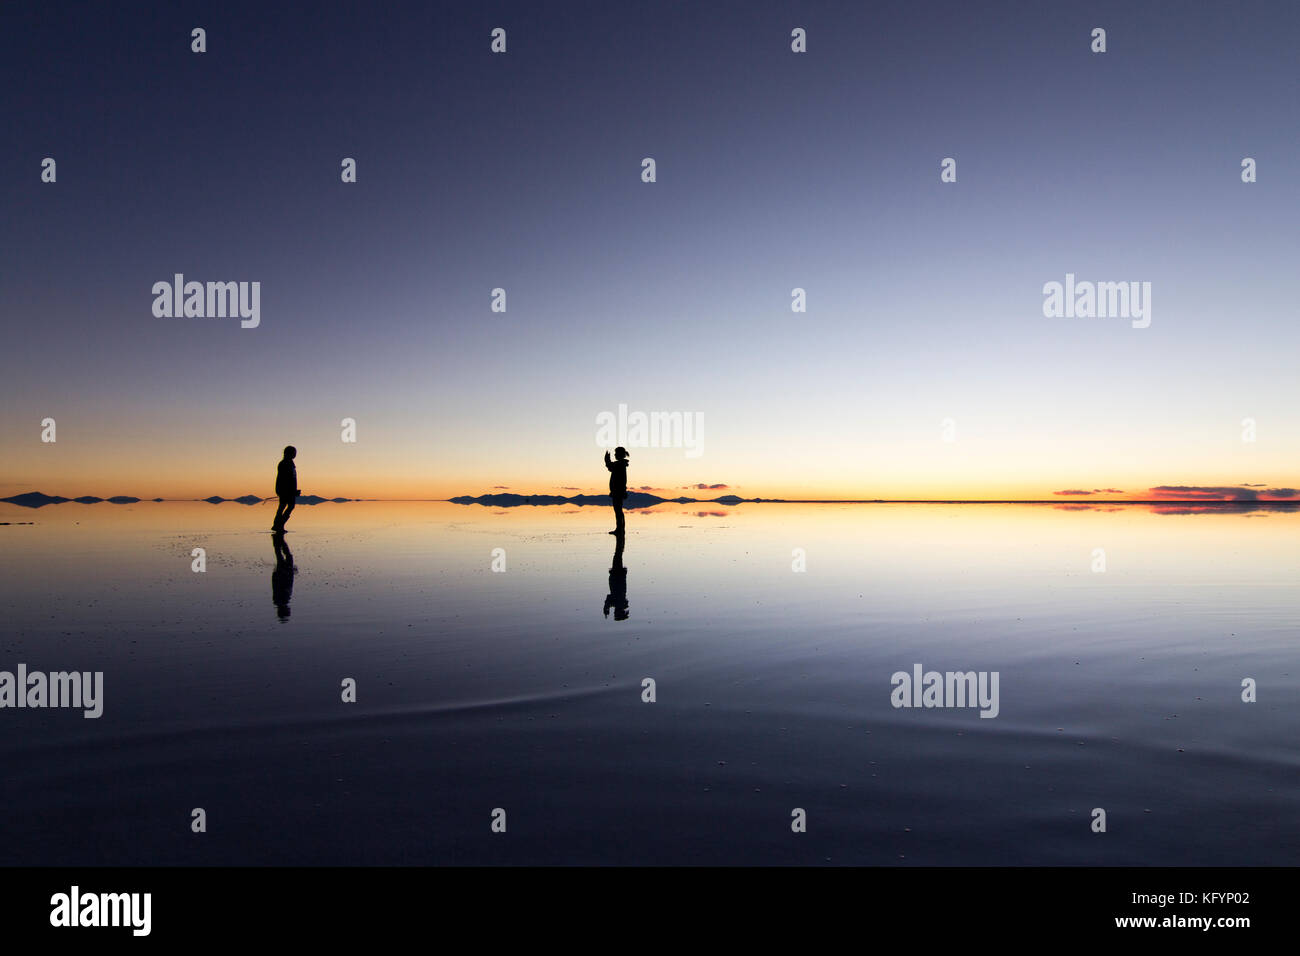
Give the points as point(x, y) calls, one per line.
point(522, 689)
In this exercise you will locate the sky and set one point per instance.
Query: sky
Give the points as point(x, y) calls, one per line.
point(923, 367)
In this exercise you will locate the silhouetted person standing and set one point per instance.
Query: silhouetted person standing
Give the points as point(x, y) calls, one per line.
point(286, 488)
point(617, 597)
point(617, 484)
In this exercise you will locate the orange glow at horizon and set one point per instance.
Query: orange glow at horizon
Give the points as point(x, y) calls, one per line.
point(229, 477)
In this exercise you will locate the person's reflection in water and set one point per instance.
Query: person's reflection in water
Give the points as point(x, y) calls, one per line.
point(282, 576)
point(617, 597)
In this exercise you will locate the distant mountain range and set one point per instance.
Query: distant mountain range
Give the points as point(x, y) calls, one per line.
point(35, 499)
point(635, 499)
point(254, 500)
point(640, 499)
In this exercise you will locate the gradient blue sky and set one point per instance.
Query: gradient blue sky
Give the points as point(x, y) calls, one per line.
point(775, 170)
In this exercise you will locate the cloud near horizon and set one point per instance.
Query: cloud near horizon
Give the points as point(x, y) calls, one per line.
point(1242, 492)
point(1222, 492)
point(703, 487)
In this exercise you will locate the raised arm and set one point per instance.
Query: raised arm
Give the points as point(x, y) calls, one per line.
point(607, 463)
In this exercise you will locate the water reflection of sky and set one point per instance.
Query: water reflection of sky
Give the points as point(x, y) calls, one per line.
point(1119, 688)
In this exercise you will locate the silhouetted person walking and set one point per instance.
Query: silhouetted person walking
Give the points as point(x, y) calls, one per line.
point(282, 576)
point(617, 597)
point(286, 488)
point(617, 484)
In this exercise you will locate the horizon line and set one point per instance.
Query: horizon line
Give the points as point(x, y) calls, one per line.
point(686, 500)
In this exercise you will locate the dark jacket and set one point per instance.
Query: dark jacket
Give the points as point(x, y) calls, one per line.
point(286, 479)
point(617, 476)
